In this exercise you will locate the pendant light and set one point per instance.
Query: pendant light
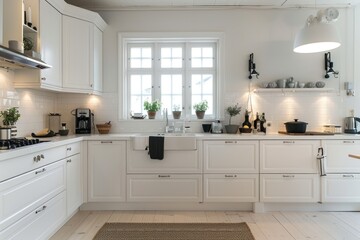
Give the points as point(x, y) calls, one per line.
point(318, 34)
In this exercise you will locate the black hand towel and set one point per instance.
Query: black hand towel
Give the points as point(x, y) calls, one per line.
point(156, 147)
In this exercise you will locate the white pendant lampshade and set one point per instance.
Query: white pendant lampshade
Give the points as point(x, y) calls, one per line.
point(318, 34)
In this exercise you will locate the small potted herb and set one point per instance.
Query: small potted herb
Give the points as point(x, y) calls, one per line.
point(176, 112)
point(200, 109)
point(152, 108)
point(10, 117)
point(232, 111)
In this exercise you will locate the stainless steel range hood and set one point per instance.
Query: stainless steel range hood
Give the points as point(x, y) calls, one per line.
point(15, 60)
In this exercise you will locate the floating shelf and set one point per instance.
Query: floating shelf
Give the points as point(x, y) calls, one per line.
point(284, 90)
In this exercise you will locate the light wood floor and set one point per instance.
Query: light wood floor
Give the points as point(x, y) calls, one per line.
point(275, 225)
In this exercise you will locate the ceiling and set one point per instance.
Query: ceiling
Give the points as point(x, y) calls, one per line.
point(152, 4)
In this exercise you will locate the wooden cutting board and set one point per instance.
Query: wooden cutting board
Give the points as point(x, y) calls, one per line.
point(306, 133)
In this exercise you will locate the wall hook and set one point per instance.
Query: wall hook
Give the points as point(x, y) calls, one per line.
point(252, 67)
point(329, 66)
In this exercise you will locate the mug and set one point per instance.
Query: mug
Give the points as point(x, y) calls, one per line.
point(16, 45)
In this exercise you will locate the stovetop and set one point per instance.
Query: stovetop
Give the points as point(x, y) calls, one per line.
point(307, 133)
point(17, 142)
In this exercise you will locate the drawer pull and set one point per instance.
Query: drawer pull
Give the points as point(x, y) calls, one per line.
point(164, 176)
point(230, 176)
point(348, 141)
point(230, 141)
point(288, 142)
point(68, 161)
point(106, 141)
point(288, 176)
point(68, 149)
point(348, 176)
point(40, 171)
point(41, 209)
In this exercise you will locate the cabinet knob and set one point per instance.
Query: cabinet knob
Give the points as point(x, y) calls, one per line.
point(68, 149)
point(42, 156)
point(43, 78)
point(68, 161)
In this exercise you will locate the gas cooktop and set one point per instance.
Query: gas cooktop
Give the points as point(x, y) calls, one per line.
point(307, 133)
point(17, 142)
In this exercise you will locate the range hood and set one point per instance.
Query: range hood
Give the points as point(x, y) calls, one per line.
point(15, 60)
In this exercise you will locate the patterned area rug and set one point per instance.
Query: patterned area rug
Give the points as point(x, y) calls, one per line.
point(174, 231)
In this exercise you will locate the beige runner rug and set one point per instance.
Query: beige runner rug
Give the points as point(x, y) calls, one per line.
point(174, 231)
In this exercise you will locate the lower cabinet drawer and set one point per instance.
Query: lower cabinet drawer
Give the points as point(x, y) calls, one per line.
point(164, 188)
point(289, 188)
point(231, 187)
point(39, 224)
point(340, 188)
point(21, 194)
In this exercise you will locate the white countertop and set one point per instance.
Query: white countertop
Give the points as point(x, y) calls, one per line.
point(63, 140)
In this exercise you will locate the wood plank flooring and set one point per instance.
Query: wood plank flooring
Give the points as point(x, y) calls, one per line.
point(264, 226)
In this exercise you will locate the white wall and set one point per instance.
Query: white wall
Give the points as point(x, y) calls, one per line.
point(1, 21)
point(269, 34)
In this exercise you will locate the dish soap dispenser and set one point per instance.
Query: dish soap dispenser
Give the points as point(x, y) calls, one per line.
point(216, 127)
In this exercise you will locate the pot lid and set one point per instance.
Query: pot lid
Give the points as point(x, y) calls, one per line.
point(297, 122)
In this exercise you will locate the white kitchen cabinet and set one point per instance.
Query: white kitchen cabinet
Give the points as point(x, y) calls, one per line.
point(337, 159)
point(39, 224)
point(50, 30)
point(340, 188)
point(106, 171)
point(231, 187)
point(164, 188)
point(77, 37)
point(74, 183)
point(289, 188)
point(82, 56)
point(231, 156)
point(289, 156)
point(21, 194)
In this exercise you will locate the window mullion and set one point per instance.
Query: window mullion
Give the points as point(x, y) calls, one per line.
point(156, 74)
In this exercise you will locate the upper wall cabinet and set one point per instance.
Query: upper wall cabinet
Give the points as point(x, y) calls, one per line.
point(70, 40)
point(51, 52)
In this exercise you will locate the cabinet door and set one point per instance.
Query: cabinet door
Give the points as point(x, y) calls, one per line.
point(337, 159)
point(97, 61)
point(231, 156)
point(231, 187)
point(77, 35)
point(341, 188)
point(289, 156)
point(39, 224)
point(51, 44)
point(74, 184)
point(289, 188)
point(107, 171)
point(164, 188)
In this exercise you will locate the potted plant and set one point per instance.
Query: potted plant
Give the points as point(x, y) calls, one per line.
point(232, 111)
point(176, 112)
point(152, 108)
point(10, 117)
point(200, 108)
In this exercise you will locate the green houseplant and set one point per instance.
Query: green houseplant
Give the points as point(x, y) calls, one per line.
point(10, 117)
point(176, 111)
point(200, 108)
point(232, 111)
point(152, 108)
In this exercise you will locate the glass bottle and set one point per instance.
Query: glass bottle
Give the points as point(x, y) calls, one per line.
point(246, 122)
point(263, 123)
point(257, 122)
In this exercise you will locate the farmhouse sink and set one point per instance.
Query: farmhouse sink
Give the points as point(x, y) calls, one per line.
point(172, 141)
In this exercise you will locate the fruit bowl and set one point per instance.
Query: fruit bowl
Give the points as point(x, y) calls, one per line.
point(103, 128)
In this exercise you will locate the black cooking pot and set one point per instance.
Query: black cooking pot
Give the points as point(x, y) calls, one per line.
point(295, 127)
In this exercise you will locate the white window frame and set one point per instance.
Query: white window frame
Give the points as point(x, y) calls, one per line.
point(192, 38)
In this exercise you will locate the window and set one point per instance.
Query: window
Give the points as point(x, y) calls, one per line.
point(178, 72)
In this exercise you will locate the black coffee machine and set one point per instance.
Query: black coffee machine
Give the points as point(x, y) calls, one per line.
point(82, 121)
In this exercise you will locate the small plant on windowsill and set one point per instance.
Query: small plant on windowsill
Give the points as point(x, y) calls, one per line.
point(200, 108)
point(176, 111)
point(232, 111)
point(152, 108)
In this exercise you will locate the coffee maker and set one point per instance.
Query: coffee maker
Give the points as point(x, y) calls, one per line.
point(82, 121)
